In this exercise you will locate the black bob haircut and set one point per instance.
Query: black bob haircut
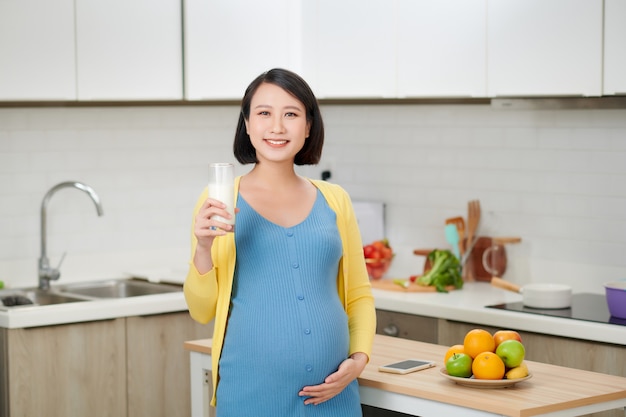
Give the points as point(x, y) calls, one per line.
point(292, 83)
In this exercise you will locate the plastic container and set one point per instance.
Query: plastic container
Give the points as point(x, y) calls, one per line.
point(616, 298)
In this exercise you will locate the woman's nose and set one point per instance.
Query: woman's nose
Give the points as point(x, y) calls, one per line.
point(277, 125)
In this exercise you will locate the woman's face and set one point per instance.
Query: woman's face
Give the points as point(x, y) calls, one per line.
point(277, 125)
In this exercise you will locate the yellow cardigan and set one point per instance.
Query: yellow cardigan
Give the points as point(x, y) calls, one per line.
point(208, 295)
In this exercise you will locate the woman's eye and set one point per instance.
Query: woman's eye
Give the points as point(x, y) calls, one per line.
point(264, 113)
point(290, 114)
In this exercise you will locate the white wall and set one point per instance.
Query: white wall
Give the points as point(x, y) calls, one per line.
point(557, 178)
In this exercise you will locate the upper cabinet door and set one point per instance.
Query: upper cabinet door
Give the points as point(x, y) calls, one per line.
point(37, 50)
point(129, 49)
point(614, 47)
point(541, 48)
point(350, 48)
point(228, 43)
point(442, 48)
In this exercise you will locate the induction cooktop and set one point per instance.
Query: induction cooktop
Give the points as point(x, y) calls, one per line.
point(588, 307)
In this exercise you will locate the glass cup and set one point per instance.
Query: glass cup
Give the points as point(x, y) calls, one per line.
point(221, 187)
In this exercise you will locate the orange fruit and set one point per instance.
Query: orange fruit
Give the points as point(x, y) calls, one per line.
point(478, 341)
point(488, 365)
point(451, 351)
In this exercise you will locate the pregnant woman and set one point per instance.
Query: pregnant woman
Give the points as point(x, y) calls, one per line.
point(287, 283)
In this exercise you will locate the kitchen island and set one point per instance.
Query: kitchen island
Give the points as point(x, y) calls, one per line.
point(551, 391)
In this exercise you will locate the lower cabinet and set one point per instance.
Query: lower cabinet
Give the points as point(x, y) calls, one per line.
point(158, 366)
point(65, 370)
point(133, 366)
point(407, 326)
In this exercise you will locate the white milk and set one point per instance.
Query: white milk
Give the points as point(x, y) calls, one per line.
point(221, 187)
point(225, 194)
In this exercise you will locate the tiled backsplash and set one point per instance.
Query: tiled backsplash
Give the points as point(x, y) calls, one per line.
point(557, 178)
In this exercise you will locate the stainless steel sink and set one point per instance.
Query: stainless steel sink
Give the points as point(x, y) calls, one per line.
point(117, 288)
point(22, 298)
point(10, 299)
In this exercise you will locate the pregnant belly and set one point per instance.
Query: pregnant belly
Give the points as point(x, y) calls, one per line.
point(290, 344)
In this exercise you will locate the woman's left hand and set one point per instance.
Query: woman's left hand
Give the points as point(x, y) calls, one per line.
point(334, 383)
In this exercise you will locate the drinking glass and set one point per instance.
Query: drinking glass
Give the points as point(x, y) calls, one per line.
point(221, 187)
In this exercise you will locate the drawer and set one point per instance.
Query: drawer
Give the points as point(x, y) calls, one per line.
point(407, 326)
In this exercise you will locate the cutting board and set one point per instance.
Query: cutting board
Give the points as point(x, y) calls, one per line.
point(475, 260)
point(389, 285)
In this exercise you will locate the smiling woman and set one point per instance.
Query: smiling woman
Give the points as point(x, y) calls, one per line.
point(277, 121)
point(287, 286)
point(304, 106)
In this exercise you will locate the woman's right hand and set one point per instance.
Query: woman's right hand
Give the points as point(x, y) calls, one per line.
point(206, 229)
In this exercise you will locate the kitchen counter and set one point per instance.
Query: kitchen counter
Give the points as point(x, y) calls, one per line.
point(93, 310)
point(429, 394)
point(469, 305)
point(465, 305)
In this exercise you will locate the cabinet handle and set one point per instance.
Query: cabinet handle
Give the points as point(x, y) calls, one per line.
point(391, 330)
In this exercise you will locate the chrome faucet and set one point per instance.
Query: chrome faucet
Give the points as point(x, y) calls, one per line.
point(46, 272)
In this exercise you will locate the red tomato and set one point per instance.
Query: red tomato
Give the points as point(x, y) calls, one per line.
point(368, 250)
point(379, 244)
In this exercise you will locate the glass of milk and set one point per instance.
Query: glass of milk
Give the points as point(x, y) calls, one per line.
point(221, 187)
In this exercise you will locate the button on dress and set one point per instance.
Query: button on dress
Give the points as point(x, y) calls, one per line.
point(287, 327)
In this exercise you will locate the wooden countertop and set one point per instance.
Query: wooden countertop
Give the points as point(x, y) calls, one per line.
point(551, 388)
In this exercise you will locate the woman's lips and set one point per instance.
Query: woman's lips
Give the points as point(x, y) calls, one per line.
point(276, 142)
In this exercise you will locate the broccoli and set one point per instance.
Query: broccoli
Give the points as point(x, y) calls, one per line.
point(445, 270)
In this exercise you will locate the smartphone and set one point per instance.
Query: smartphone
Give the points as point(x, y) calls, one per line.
point(406, 366)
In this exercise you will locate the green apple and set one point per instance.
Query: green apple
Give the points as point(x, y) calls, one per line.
point(459, 365)
point(511, 352)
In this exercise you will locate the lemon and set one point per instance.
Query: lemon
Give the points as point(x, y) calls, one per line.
point(517, 372)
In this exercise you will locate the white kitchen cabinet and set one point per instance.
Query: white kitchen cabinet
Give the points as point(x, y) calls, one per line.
point(350, 48)
point(614, 47)
point(230, 42)
point(37, 50)
point(442, 48)
point(544, 48)
point(129, 50)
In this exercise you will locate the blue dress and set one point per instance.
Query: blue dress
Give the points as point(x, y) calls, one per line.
point(287, 327)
